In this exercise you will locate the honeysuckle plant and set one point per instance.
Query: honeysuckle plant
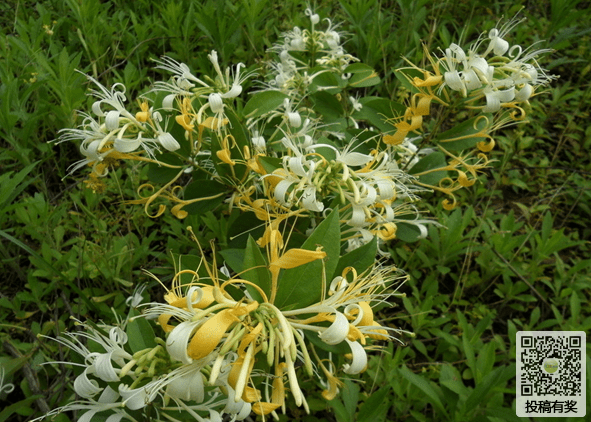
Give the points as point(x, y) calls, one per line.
point(234, 341)
point(327, 175)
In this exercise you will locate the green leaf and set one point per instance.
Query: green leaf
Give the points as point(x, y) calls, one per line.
point(503, 413)
point(162, 174)
point(245, 224)
point(406, 75)
point(361, 258)
point(350, 394)
point(301, 286)
point(139, 332)
point(327, 105)
point(234, 258)
point(10, 185)
point(339, 410)
point(407, 232)
point(51, 269)
point(485, 361)
point(479, 394)
point(425, 386)
point(463, 136)
point(451, 378)
point(430, 162)
point(270, 164)
point(263, 102)
point(23, 404)
point(211, 191)
point(375, 407)
point(575, 306)
point(363, 75)
point(258, 272)
point(378, 110)
point(325, 82)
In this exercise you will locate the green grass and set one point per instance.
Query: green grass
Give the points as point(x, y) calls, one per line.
point(514, 256)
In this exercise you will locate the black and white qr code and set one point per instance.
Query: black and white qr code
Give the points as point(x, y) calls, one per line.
point(551, 373)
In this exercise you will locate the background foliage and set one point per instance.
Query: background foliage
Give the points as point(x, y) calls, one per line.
point(514, 256)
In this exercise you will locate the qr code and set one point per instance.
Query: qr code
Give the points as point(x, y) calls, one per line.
point(551, 373)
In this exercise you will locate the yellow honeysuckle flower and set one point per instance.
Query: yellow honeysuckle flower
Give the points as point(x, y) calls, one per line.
point(205, 294)
point(264, 408)
point(291, 259)
point(144, 115)
point(224, 153)
point(209, 335)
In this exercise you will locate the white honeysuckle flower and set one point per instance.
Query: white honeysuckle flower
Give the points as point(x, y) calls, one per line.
point(309, 200)
point(239, 409)
point(136, 398)
point(85, 387)
point(258, 141)
point(333, 39)
point(314, 18)
point(358, 215)
point(114, 98)
point(497, 44)
point(234, 91)
point(476, 70)
point(168, 102)
point(178, 340)
point(494, 98)
point(216, 104)
point(359, 361)
point(357, 106)
point(293, 117)
point(168, 142)
point(183, 81)
point(337, 331)
point(112, 119)
point(511, 76)
point(363, 237)
point(524, 93)
point(281, 190)
point(293, 381)
point(108, 400)
point(164, 138)
point(91, 152)
point(295, 40)
point(99, 364)
point(126, 145)
point(354, 158)
point(103, 365)
point(188, 386)
point(136, 298)
point(231, 86)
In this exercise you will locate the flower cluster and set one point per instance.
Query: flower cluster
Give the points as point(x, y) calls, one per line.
point(125, 384)
point(222, 351)
point(509, 77)
point(310, 153)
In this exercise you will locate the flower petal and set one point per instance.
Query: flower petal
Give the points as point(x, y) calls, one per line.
point(168, 141)
point(178, 340)
point(188, 386)
point(112, 120)
point(134, 399)
point(127, 145)
point(338, 330)
point(85, 387)
point(104, 367)
point(359, 361)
